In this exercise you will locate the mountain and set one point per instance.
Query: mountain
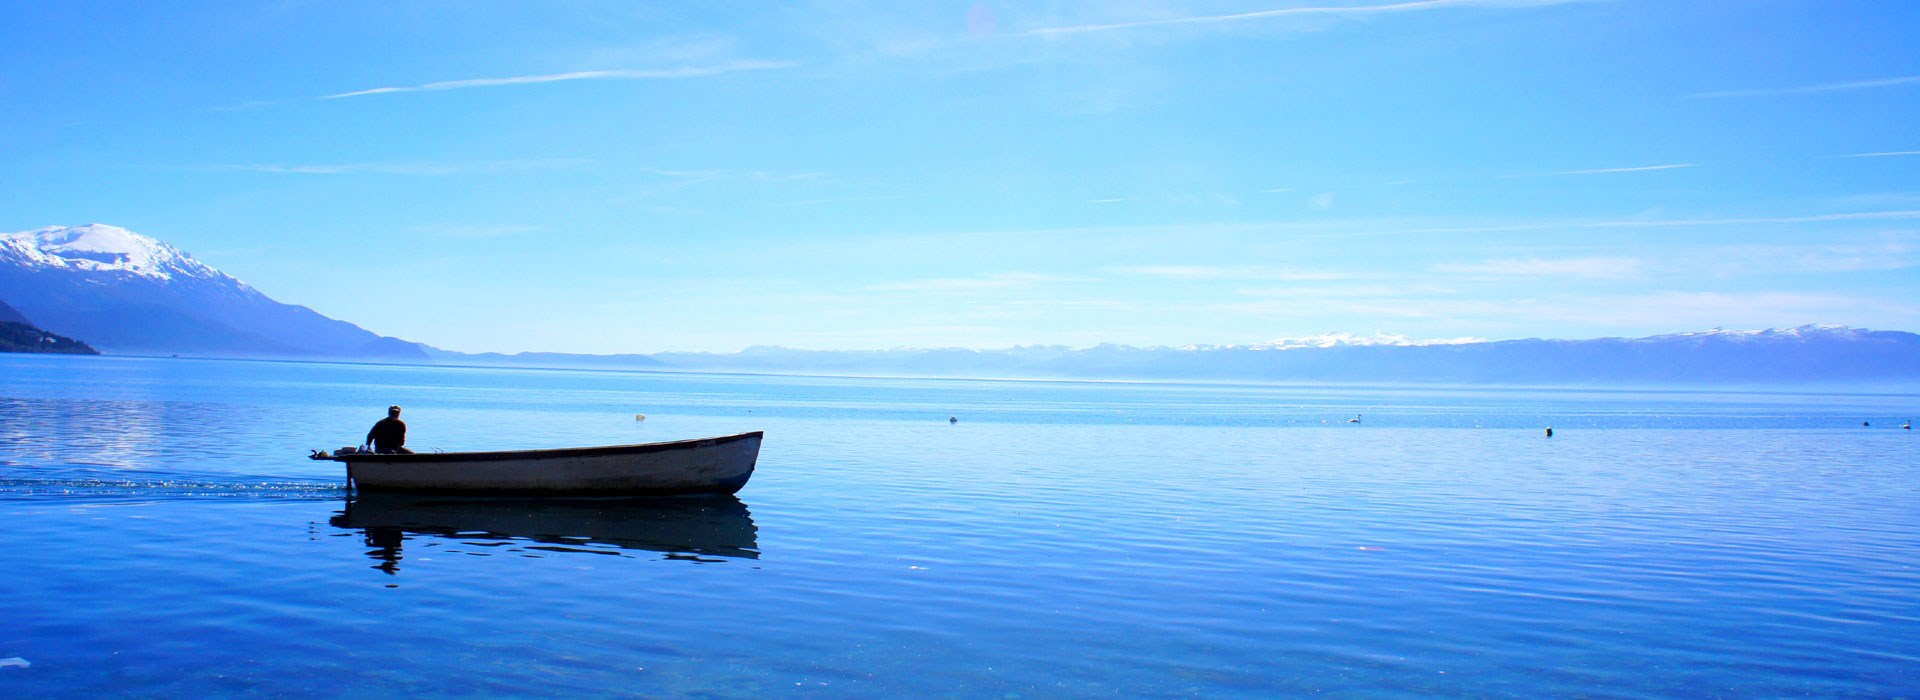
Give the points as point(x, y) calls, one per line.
point(128, 293)
point(17, 334)
point(546, 360)
point(1806, 355)
point(9, 315)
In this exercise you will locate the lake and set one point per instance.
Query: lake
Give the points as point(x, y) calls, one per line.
point(166, 536)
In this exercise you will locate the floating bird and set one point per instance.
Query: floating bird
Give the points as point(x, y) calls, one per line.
point(1907, 425)
point(952, 420)
point(639, 416)
point(1356, 418)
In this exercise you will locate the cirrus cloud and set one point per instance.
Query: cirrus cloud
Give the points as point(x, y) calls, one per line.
point(1588, 268)
point(631, 74)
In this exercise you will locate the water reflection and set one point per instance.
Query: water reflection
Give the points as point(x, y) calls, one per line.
point(704, 529)
point(125, 434)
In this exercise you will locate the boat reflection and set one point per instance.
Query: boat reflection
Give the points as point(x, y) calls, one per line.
point(702, 529)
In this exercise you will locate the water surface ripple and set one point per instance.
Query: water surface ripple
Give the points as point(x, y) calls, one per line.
point(168, 538)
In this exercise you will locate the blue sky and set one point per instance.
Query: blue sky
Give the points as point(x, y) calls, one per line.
point(629, 177)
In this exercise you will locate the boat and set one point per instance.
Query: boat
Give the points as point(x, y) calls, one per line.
point(714, 465)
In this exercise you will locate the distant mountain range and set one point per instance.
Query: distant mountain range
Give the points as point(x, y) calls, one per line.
point(547, 360)
point(129, 294)
point(1805, 355)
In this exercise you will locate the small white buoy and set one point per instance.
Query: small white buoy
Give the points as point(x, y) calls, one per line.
point(639, 416)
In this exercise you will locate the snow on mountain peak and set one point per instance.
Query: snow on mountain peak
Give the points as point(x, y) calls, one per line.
point(103, 248)
point(1806, 331)
point(1329, 340)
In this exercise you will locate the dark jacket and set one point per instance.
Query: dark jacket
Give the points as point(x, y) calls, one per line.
point(388, 435)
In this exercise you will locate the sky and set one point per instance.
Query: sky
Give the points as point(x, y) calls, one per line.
point(613, 177)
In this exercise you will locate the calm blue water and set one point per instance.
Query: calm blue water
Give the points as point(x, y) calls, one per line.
point(164, 536)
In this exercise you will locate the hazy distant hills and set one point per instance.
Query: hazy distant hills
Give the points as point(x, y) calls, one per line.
point(1804, 355)
point(547, 360)
point(9, 315)
point(129, 294)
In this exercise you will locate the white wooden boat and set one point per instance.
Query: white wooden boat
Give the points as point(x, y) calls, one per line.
point(684, 467)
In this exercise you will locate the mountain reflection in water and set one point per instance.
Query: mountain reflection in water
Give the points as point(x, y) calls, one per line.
point(700, 529)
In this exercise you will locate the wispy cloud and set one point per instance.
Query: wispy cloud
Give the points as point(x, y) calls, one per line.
point(481, 231)
point(1328, 11)
point(1295, 230)
point(1684, 309)
point(709, 174)
point(1661, 309)
point(640, 74)
point(1317, 292)
point(810, 176)
point(1590, 268)
point(669, 183)
point(1809, 219)
point(1204, 199)
point(1890, 252)
point(1181, 199)
point(1840, 217)
point(682, 178)
point(1229, 272)
point(390, 168)
point(996, 281)
point(821, 201)
point(245, 106)
point(1882, 154)
point(1812, 89)
point(1601, 171)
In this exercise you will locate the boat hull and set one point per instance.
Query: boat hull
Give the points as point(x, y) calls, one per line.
point(716, 465)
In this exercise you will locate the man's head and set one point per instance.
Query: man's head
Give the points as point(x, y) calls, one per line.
point(393, 411)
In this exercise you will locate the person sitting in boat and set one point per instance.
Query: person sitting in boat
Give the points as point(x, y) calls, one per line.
point(389, 436)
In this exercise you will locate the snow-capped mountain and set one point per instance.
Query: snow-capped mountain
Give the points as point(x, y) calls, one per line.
point(103, 249)
point(1334, 340)
point(123, 292)
point(1810, 332)
point(127, 293)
